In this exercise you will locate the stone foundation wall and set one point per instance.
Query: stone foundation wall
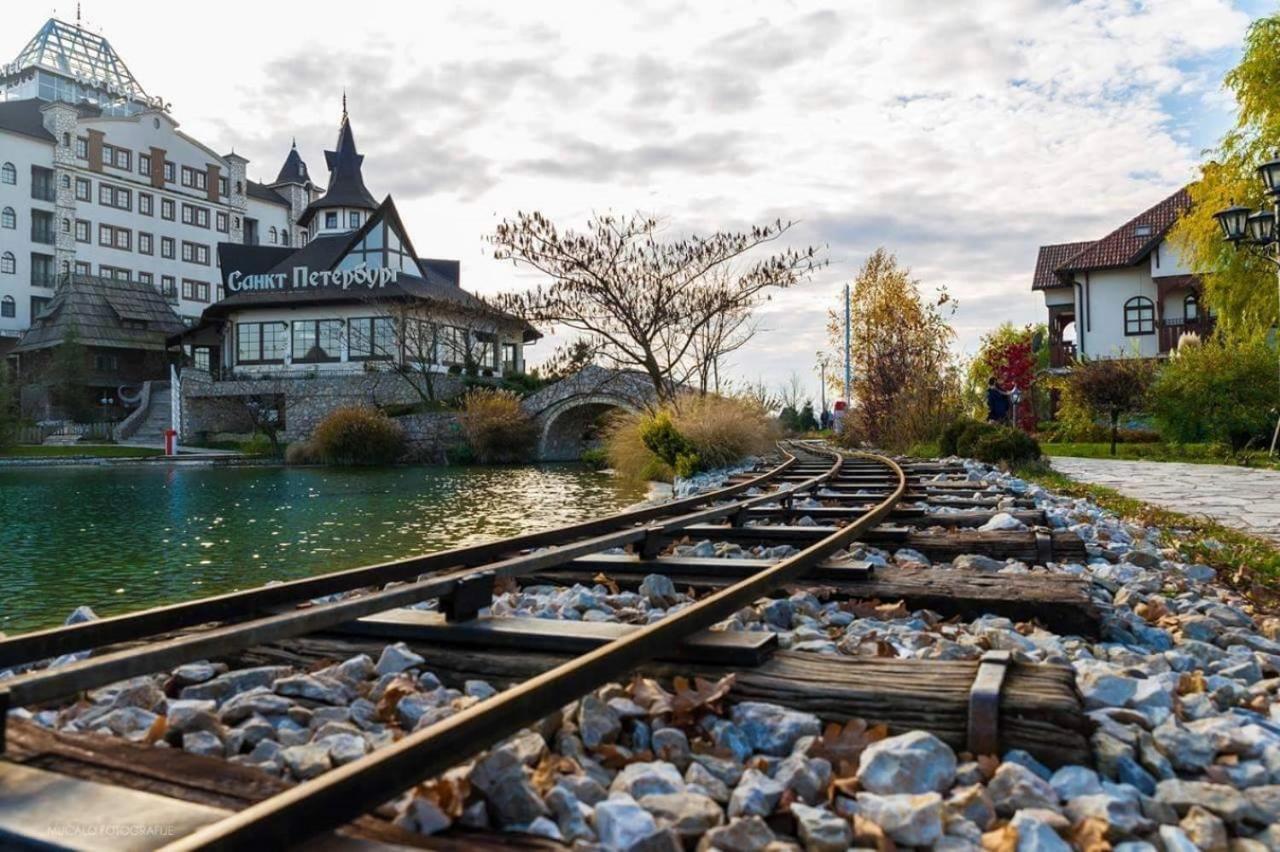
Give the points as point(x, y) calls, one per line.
point(210, 407)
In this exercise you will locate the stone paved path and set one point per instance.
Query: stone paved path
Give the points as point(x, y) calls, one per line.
point(1241, 497)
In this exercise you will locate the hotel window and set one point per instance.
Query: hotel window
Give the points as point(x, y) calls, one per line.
point(84, 189)
point(194, 178)
point(113, 237)
point(146, 278)
point(453, 345)
point(82, 230)
point(168, 171)
point(195, 253)
point(221, 221)
point(331, 220)
point(115, 196)
point(66, 181)
point(145, 241)
point(284, 236)
point(144, 164)
point(195, 291)
point(115, 272)
point(8, 174)
point(8, 264)
point(8, 219)
point(167, 248)
point(271, 235)
point(146, 203)
point(167, 209)
point(223, 185)
point(317, 341)
point(1139, 316)
point(83, 268)
point(371, 339)
point(192, 215)
point(261, 342)
point(120, 158)
point(168, 287)
point(8, 307)
point(353, 219)
point(38, 304)
point(82, 148)
point(66, 226)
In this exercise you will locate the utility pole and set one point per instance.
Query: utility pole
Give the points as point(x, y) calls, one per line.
point(822, 385)
point(848, 336)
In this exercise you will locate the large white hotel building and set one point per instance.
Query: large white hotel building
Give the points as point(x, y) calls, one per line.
point(96, 178)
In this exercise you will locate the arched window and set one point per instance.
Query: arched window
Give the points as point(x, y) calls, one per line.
point(66, 226)
point(8, 174)
point(271, 234)
point(1191, 307)
point(8, 307)
point(284, 236)
point(1139, 316)
point(8, 264)
point(8, 219)
point(66, 181)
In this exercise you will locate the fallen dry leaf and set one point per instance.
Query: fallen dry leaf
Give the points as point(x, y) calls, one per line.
point(549, 770)
point(398, 688)
point(156, 731)
point(606, 581)
point(842, 746)
point(448, 792)
point(650, 695)
point(1191, 682)
point(703, 696)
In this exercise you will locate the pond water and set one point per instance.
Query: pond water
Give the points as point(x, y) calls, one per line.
point(126, 538)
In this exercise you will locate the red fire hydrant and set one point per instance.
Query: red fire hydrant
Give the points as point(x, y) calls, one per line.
point(170, 442)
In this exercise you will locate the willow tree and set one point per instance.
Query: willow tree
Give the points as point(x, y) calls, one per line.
point(647, 302)
point(905, 381)
point(1239, 286)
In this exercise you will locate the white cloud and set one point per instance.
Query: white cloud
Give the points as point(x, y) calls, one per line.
point(960, 135)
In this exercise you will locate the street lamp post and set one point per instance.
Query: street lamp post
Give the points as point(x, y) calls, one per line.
point(1255, 231)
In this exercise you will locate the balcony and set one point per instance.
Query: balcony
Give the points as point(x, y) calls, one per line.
point(43, 279)
point(43, 191)
point(1171, 331)
point(1062, 353)
point(41, 233)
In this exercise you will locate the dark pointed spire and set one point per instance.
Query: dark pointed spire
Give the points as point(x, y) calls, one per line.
point(346, 181)
point(294, 169)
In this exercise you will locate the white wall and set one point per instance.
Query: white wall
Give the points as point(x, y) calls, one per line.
point(1100, 322)
point(1166, 260)
point(23, 152)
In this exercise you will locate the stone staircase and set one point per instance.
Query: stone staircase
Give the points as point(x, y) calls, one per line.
point(156, 419)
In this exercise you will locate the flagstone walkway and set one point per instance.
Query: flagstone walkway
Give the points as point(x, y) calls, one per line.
point(1241, 497)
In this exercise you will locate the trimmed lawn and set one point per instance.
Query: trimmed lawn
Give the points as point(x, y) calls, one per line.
point(101, 451)
point(1247, 563)
point(1158, 451)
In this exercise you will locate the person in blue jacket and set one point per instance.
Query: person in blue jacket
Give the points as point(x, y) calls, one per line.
point(997, 402)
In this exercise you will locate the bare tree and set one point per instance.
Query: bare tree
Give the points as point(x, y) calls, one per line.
point(756, 392)
point(792, 392)
point(645, 299)
point(723, 335)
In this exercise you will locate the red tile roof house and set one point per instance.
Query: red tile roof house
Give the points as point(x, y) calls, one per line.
point(1126, 295)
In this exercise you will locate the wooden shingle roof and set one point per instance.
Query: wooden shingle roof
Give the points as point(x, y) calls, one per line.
point(105, 312)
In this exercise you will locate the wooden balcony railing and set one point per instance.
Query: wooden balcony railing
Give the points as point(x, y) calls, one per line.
point(1171, 331)
point(1062, 353)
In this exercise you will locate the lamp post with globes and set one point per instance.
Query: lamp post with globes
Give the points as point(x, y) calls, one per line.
point(1255, 231)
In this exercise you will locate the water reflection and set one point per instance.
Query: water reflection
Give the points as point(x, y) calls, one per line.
point(120, 539)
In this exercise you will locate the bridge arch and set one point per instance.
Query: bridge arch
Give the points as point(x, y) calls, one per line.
point(568, 426)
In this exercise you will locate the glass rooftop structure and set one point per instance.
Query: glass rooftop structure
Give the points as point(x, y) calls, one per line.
point(74, 65)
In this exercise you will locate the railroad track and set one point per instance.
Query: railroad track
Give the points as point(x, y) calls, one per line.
point(846, 499)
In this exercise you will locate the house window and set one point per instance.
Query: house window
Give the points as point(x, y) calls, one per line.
point(82, 231)
point(84, 189)
point(195, 291)
point(453, 345)
point(145, 203)
point(8, 307)
point(8, 219)
point(1139, 316)
point(9, 174)
point(1191, 307)
point(166, 209)
point(8, 264)
point(284, 236)
point(331, 220)
point(261, 342)
point(271, 235)
point(353, 219)
point(371, 339)
point(317, 341)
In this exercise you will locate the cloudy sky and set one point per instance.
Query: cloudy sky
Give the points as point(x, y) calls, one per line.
point(959, 135)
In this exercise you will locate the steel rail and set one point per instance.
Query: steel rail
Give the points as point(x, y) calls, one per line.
point(51, 642)
point(337, 797)
point(67, 680)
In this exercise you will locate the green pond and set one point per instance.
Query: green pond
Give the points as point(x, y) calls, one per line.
point(124, 538)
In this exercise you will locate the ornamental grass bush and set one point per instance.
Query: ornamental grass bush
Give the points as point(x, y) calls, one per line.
point(988, 442)
point(696, 434)
point(495, 427)
point(358, 435)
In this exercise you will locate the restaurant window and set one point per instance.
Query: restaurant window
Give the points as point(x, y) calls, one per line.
point(261, 342)
point(317, 341)
point(453, 345)
point(1139, 316)
point(420, 341)
point(371, 339)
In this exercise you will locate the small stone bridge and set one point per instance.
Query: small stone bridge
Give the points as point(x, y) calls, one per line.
point(568, 412)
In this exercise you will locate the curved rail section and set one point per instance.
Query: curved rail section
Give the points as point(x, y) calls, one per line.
point(343, 794)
